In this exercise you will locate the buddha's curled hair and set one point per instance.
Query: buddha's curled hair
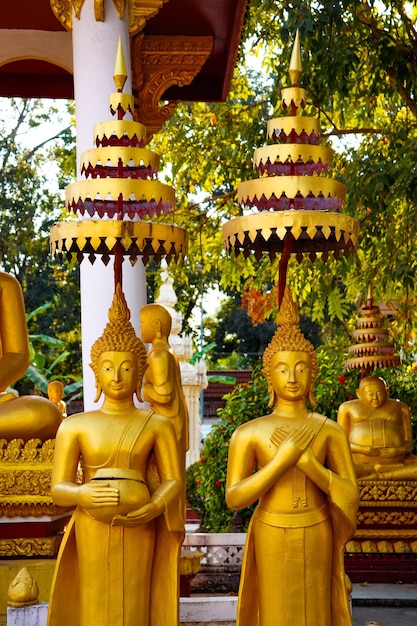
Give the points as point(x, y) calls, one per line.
point(119, 335)
point(289, 338)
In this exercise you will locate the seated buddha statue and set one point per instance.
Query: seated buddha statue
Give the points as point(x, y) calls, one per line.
point(380, 433)
point(23, 417)
point(114, 568)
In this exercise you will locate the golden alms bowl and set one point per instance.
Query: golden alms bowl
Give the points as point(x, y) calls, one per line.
point(133, 493)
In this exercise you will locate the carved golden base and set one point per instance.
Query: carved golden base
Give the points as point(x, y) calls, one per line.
point(30, 547)
point(384, 546)
point(31, 525)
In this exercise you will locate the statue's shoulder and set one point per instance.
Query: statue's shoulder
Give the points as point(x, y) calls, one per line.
point(7, 281)
point(327, 426)
point(79, 420)
point(318, 418)
point(254, 427)
point(349, 405)
point(154, 419)
point(159, 352)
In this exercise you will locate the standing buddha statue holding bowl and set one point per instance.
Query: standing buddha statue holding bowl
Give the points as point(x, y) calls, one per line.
point(112, 568)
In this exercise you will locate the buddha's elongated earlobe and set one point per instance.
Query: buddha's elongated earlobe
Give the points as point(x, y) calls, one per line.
point(158, 327)
point(99, 391)
point(139, 391)
point(272, 396)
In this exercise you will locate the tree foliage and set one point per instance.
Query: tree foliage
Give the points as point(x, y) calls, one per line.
point(359, 69)
point(33, 154)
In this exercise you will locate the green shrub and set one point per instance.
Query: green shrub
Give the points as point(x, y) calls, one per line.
point(334, 385)
point(206, 479)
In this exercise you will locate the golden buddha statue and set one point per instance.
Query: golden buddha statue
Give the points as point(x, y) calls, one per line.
point(299, 467)
point(23, 417)
point(55, 394)
point(380, 432)
point(162, 381)
point(112, 569)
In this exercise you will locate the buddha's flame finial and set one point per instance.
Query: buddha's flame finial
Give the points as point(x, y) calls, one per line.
point(370, 297)
point(288, 311)
point(119, 312)
point(120, 72)
point(295, 69)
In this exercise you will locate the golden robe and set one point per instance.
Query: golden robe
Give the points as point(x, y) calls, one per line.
point(118, 576)
point(310, 542)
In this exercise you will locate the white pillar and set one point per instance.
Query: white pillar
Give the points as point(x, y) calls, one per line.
point(94, 50)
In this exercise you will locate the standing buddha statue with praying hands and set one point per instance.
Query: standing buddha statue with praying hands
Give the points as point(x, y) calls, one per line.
point(298, 465)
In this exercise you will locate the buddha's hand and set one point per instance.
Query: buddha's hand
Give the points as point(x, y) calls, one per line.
point(97, 493)
point(370, 451)
point(307, 458)
point(388, 452)
point(145, 514)
point(294, 445)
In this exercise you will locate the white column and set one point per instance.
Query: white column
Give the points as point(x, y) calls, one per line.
point(94, 50)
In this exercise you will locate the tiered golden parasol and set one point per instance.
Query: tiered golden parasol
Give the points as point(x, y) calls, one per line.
point(373, 347)
point(120, 195)
point(299, 207)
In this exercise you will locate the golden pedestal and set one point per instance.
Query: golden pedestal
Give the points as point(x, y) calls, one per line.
point(31, 525)
point(384, 547)
point(42, 571)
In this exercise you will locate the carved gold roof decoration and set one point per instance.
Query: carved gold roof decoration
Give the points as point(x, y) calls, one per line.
point(139, 11)
point(373, 347)
point(299, 206)
point(158, 63)
point(120, 194)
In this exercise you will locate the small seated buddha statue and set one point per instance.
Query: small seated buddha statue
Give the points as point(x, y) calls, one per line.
point(379, 430)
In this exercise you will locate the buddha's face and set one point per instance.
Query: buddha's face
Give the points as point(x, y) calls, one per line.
point(117, 374)
point(55, 393)
point(290, 374)
point(373, 393)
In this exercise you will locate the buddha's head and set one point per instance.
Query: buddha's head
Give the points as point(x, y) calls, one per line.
point(373, 391)
point(55, 391)
point(289, 361)
point(155, 322)
point(118, 347)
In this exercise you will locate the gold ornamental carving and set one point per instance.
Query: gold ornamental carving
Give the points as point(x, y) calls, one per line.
point(100, 238)
point(160, 63)
point(139, 11)
point(373, 544)
point(32, 451)
point(25, 477)
point(42, 546)
point(387, 517)
point(391, 518)
point(388, 493)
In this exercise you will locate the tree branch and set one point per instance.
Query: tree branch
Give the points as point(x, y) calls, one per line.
point(28, 155)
